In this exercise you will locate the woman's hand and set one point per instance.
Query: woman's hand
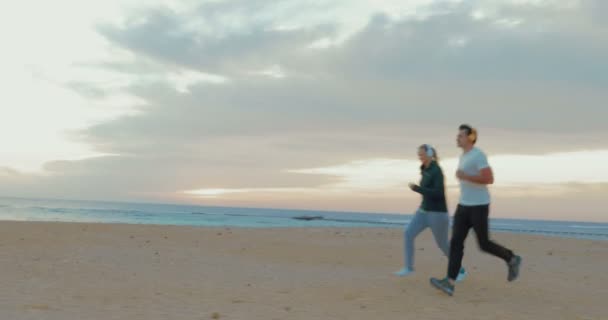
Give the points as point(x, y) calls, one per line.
point(412, 185)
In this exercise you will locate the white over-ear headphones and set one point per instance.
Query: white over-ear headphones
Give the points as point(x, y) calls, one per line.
point(429, 150)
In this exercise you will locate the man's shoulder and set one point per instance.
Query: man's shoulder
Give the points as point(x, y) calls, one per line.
point(477, 152)
point(480, 158)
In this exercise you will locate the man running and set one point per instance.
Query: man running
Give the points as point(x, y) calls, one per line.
point(474, 174)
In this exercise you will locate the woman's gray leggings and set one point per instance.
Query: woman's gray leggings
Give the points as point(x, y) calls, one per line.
point(439, 223)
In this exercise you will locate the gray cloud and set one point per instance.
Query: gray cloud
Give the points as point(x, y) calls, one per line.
point(162, 35)
point(541, 74)
point(548, 44)
point(386, 89)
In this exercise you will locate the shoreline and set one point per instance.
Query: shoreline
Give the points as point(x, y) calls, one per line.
point(385, 225)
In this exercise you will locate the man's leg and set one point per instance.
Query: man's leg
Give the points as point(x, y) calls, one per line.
point(460, 230)
point(479, 219)
point(480, 225)
point(439, 222)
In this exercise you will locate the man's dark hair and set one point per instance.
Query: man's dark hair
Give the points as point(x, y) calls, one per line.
point(469, 131)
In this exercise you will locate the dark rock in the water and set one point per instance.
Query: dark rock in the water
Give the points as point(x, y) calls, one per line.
point(308, 218)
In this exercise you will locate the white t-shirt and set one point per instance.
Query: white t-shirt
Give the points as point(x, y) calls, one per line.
point(473, 194)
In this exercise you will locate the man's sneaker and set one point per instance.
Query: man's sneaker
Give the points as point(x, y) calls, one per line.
point(404, 272)
point(514, 268)
point(462, 274)
point(443, 285)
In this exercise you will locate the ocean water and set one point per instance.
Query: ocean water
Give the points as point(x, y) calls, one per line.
point(13, 209)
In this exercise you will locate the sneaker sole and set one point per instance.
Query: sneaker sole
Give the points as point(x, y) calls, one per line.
point(435, 284)
point(518, 265)
point(461, 277)
point(403, 275)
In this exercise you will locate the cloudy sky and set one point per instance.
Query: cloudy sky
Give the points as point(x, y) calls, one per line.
point(303, 103)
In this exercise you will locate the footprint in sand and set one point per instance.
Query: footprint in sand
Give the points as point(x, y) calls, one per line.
point(39, 307)
point(477, 301)
point(350, 296)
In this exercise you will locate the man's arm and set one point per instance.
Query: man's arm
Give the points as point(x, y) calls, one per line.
point(486, 176)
